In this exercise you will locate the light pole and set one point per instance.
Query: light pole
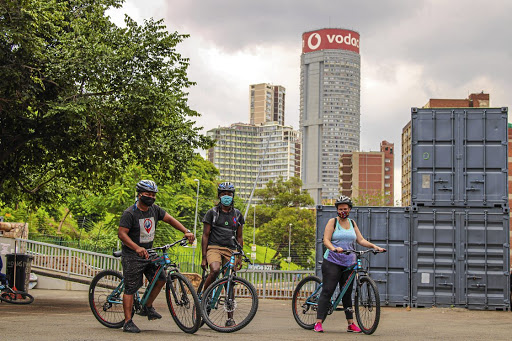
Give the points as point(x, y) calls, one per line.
point(195, 226)
point(289, 246)
point(254, 227)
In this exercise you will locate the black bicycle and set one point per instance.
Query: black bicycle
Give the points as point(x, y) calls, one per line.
point(366, 297)
point(107, 287)
point(231, 302)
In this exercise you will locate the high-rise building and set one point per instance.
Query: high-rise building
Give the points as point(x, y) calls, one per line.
point(367, 177)
point(329, 107)
point(475, 100)
point(266, 103)
point(241, 148)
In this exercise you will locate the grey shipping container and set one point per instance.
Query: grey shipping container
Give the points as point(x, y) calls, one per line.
point(459, 157)
point(387, 227)
point(460, 257)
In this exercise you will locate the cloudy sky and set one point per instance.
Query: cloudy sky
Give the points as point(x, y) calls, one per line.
point(411, 51)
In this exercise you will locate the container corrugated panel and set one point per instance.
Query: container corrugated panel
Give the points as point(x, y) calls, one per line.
point(387, 227)
point(459, 157)
point(460, 257)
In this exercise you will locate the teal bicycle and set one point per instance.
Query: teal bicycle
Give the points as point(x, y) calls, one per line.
point(106, 293)
point(230, 303)
point(366, 297)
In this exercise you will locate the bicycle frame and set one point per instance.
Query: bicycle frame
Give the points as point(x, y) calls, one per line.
point(163, 263)
point(354, 275)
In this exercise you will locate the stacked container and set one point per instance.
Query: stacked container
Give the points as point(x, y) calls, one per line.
point(459, 194)
point(451, 246)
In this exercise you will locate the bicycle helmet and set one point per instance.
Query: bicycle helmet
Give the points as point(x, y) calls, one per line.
point(226, 187)
point(343, 200)
point(147, 186)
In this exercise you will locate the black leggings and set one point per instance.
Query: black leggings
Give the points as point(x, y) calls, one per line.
point(332, 274)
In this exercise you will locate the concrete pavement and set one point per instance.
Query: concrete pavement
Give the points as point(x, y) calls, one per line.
point(65, 315)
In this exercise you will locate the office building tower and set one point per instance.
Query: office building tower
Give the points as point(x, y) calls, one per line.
point(367, 177)
point(329, 107)
point(241, 148)
point(266, 103)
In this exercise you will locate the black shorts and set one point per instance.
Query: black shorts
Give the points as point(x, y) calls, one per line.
point(133, 268)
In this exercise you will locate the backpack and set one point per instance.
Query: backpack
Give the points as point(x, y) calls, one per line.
point(216, 216)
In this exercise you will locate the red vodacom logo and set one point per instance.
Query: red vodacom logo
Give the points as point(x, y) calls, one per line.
point(329, 39)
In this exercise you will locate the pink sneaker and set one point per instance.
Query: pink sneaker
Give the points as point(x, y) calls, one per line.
point(318, 327)
point(352, 328)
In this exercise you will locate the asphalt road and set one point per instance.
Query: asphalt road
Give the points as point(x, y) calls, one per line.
point(65, 315)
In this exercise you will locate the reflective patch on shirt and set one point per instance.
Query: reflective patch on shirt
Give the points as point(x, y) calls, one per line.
point(147, 229)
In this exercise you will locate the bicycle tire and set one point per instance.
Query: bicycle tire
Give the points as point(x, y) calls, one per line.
point(16, 297)
point(242, 304)
point(367, 304)
point(110, 314)
point(199, 295)
point(183, 302)
point(304, 307)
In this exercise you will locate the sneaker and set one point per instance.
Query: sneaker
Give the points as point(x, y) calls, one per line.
point(230, 322)
point(352, 328)
point(150, 312)
point(130, 327)
point(318, 327)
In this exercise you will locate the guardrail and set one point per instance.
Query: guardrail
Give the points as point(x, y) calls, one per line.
point(67, 260)
point(277, 284)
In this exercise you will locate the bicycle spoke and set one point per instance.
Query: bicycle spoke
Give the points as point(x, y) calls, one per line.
point(105, 299)
point(229, 306)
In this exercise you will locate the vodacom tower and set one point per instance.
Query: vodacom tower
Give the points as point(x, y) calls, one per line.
point(329, 107)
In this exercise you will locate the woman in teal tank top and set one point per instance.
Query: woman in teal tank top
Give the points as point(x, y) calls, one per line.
point(341, 233)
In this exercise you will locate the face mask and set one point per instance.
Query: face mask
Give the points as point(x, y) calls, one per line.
point(343, 214)
point(148, 201)
point(226, 200)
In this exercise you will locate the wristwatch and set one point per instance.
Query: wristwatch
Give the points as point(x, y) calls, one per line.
point(188, 231)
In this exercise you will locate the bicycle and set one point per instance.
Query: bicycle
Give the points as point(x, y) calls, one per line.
point(9, 295)
point(106, 293)
point(230, 298)
point(366, 297)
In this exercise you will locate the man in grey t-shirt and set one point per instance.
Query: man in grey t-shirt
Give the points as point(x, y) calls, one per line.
point(137, 232)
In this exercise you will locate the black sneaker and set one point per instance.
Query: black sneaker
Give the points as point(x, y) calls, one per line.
point(230, 322)
point(130, 327)
point(150, 312)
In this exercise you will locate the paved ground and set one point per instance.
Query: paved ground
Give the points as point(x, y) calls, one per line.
point(65, 315)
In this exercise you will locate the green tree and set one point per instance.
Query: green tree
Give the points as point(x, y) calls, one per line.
point(82, 99)
point(283, 193)
point(282, 201)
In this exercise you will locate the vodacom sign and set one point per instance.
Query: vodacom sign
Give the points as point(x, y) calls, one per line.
point(329, 39)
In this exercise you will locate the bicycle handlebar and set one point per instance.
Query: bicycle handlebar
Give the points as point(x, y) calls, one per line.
point(241, 250)
point(183, 242)
point(360, 253)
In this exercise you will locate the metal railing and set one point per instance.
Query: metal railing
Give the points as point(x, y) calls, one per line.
point(276, 284)
point(67, 260)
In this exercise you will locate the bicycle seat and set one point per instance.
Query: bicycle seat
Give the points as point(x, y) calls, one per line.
point(117, 253)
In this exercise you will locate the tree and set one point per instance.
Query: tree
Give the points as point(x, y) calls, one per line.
point(283, 193)
point(281, 207)
point(82, 99)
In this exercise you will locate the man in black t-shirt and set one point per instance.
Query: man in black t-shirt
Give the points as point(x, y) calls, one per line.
point(221, 223)
point(137, 232)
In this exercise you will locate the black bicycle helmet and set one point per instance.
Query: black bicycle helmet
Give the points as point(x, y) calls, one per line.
point(343, 200)
point(147, 186)
point(226, 187)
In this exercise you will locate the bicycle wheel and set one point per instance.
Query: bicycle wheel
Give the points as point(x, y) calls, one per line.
point(305, 301)
point(183, 302)
point(199, 295)
point(105, 298)
point(228, 306)
point(367, 304)
point(16, 297)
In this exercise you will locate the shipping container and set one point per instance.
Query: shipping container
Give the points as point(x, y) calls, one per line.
point(459, 157)
point(389, 228)
point(460, 257)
